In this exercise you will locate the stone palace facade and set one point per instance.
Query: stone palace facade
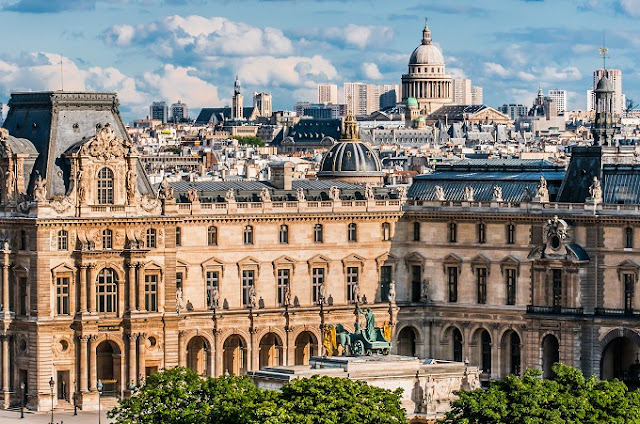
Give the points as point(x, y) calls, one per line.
point(106, 277)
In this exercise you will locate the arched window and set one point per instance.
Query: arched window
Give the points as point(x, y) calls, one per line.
point(352, 232)
point(212, 236)
point(317, 233)
point(486, 352)
point(107, 291)
point(105, 186)
point(284, 234)
point(248, 234)
point(151, 238)
point(63, 240)
point(107, 239)
point(386, 231)
point(457, 345)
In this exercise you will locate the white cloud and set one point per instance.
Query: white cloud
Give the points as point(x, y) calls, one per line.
point(178, 83)
point(371, 71)
point(359, 36)
point(569, 73)
point(632, 7)
point(496, 69)
point(526, 76)
point(197, 36)
point(456, 73)
point(293, 71)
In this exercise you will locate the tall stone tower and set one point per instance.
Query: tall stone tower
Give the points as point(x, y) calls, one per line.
point(236, 102)
point(602, 129)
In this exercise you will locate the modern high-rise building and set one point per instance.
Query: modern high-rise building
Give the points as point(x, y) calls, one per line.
point(514, 110)
point(364, 99)
point(462, 91)
point(476, 95)
point(262, 102)
point(560, 97)
point(615, 76)
point(389, 95)
point(159, 111)
point(179, 112)
point(327, 93)
point(355, 97)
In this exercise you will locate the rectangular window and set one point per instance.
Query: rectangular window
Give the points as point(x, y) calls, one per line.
point(482, 233)
point(385, 282)
point(481, 275)
point(62, 295)
point(317, 233)
point(629, 288)
point(62, 240)
point(352, 282)
point(317, 279)
point(151, 292)
point(510, 275)
point(151, 238)
point(179, 277)
point(284, 234)
point(452, 277)
point(22, 296)
point(283, 282)
point(248, 234)
point(511, 234)
point(247, 283)
point(212, 280)
point(453, 232)
point(352, 231)
point(416, 276)
point(178, 236)
point(628, 237)
point(557, 287)
point(416, 231)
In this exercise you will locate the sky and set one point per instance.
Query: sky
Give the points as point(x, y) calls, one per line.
point(191, 50)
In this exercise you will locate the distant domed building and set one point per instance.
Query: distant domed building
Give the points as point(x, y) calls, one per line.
point(351, 160)
point(426, 86)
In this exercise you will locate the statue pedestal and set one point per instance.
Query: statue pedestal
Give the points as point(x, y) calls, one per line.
point(428, 384)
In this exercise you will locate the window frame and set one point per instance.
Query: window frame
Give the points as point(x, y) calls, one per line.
point(63, 306)
point(283, 234)
point(628, 237)
point(417, 227)
point(452, 232)
point(386, 231)
point(353, 278)
point(178, 236)
point(352, 232)
point(317, 279)
point(109, 304)
point(151, 238)
point(452, 283)
point(248, 279)
point(482, 232)
point(63, 240)
point(556, 287)
point(211, 281)
point(511, 233)
point(481, 285)
point(151, 292)
point(318, 233)
point(247, 235)
point(107, 239)
point(511, 282)
point(212, 235)
point(283, 280)
point(105, 186)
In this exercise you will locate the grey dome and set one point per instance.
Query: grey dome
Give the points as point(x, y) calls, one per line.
point(350, 158)
point(604, 85)
point(426, 54)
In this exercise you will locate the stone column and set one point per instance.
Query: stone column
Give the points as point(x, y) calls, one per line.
point(5, 284)
point(132, 358)
point(91, 283)
point(83, 288)
point(120, 297)
point(5, 362)
point(161, 292)
point(140, 279)
point(142, 347)
point(254, 364)
point(93, 364)
point(84, 374)
point(219, 352)
point(181, 349)
point(132, 286)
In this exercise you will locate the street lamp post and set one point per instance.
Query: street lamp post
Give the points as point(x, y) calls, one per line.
point(22, 399)
point(51, 384)
point(99, 386)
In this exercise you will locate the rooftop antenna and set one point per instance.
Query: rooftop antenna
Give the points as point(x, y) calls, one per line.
point(61, 74)
point(604, 53)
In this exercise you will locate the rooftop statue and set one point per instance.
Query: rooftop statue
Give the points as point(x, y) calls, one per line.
point(366, 341)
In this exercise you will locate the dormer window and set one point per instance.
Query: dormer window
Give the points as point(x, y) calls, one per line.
point(105, 186)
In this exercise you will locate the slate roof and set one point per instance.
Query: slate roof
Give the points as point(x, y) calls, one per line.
point(621, 184)
point(312, 131)
point(455, 112)
point(216, 115)
point(512, 175)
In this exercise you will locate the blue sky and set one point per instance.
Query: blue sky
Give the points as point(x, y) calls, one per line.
point(191, 50)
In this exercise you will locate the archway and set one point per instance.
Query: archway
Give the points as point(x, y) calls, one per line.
point(550, 354)
point(407, 342)
point(198, 355)
point(234, 355)
point(452, 344)
point(306, 347)
point(510, 348)
point(108, 358)
point(270, 350)
point(620, 360)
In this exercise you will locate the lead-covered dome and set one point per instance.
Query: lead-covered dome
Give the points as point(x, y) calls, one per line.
point(350, 157)
point(426, 53)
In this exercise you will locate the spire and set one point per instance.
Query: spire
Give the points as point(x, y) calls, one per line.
point(236, 86)
point(426, 33)
point(350, 131)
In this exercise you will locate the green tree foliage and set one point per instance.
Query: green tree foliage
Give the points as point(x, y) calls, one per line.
point(180, 396)
point(248, 140)
point(567, 397)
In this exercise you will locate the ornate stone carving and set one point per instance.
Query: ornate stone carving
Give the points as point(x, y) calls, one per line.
point(132, 181)
point(40, 189)
point(150, 204)
point(192, 195)
point(368, 192)
point(542, 193)
point(392, 291)
point(527, 194)
point(300, 194)
point(61, 204)
point(440, 193)
point(402, 192)
point(106, 145)
point(468, 194)
point(496, 194)
point(230, 196)
point(166, 189)
point(595, 191)
point(265, 195)
point(334, 193)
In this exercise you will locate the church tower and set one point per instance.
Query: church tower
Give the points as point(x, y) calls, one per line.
point(236, 101)
point(602, 129)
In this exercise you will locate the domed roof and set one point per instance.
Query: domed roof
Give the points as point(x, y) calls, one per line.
point(604, 85)
point(412, 101)
point(426, 53)
point(350, 158)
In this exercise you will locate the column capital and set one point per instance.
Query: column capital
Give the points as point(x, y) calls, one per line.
point(84, 338)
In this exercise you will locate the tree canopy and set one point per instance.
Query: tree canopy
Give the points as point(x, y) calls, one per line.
point(249, 140)
point(567, 397)
point(180, 396)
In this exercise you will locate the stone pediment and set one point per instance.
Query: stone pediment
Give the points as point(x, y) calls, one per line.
point(509, 262)
point(318, 261)
point(353, 258)
point(481, 261)
point(212, 263)
point(284, 262)
point(106, 145)
point(414, 258)
point(249, 263)
point(62, 268)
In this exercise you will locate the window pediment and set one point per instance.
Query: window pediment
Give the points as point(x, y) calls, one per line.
point(249, 263)
point(284, 262)
point(481, 261)
point(509, 262)
point(628, 267)
point(414, 258)
point(183, 267)
point(318, 261)
point(386, 259)
point(63, 268)
point(353, 259)
point(212, 263)
point(452, 260)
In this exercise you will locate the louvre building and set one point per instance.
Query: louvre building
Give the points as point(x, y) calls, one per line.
point(510, 264)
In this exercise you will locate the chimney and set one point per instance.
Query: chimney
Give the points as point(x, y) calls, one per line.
point(282, 175)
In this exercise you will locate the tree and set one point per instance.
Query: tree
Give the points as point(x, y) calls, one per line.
point(332, 400)
point(180, 396)
point(630, 105)
point(567, 397)
point(249, 140)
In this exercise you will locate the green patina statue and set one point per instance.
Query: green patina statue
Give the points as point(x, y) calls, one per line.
point(365, 341)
